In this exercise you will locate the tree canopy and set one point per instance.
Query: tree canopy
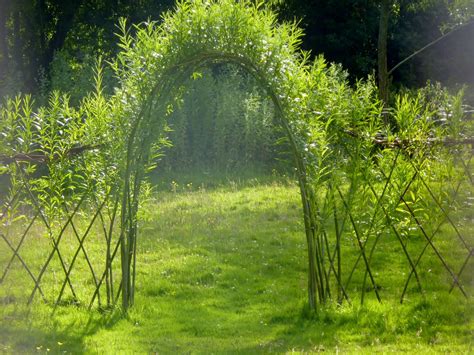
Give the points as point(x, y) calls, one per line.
point(41, 41)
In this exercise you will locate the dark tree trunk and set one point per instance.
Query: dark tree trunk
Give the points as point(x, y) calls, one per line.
point(4, 13)
point(63, 25)
point(41, 13)
point(17, 49)
point(383, 79)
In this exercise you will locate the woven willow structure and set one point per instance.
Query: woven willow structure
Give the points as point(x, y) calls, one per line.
point(77, 182)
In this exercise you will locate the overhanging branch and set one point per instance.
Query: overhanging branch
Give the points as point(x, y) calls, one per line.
point(427, 46)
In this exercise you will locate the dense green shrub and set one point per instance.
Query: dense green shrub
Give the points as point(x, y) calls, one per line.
point(224, 123)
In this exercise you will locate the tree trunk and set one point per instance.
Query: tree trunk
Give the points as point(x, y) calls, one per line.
point(41, 10)
point(63, 25)
point(382, 51)
point(4, 13)
point(17, 37)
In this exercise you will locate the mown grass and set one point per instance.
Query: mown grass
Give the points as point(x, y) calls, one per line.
point(223, 269)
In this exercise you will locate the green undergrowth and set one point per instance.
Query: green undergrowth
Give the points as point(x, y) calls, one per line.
point(222, 269)
point(206, 178)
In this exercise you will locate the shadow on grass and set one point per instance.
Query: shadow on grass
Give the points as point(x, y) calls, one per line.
point(36, 329)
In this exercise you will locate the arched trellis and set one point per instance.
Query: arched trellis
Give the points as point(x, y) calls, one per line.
point(199, 33)
point(143, 135)
point(334, 134)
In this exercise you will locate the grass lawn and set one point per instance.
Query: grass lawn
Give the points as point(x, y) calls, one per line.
point(223, 269)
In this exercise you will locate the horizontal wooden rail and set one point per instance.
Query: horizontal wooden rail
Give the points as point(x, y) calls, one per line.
point(42, 158)
point(405, 143)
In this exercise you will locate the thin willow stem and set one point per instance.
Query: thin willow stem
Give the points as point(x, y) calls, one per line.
point(15, 253)
point(458, 275)
point(111, 257)
point(399, 238)
point(428, 46)
point(81, 243)
point(377, 206)
point(420, 226)
point(55, 241)
point(104, 231)
point(17, 249)
point(338, 249)
point(361, 247)
point(338, 278)
point(424, 249)
point(446, 215)
point(81, 247)
point(119, 241)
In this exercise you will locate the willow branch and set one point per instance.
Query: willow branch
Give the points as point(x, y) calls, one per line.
point(427, 46)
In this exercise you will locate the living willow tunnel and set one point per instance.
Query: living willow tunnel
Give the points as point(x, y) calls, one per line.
point(76, 173)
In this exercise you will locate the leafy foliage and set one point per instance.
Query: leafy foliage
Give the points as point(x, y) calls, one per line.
point(358, 177)
point(224, 123)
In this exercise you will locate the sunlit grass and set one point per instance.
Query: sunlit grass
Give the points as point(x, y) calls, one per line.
point(223, 269)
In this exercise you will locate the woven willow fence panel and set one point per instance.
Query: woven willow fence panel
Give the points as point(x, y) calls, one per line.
point(70, 259)
point(78, 260)
point(411, 199)
point(69, 223)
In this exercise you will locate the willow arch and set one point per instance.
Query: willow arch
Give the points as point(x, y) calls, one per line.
point(278, 73)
